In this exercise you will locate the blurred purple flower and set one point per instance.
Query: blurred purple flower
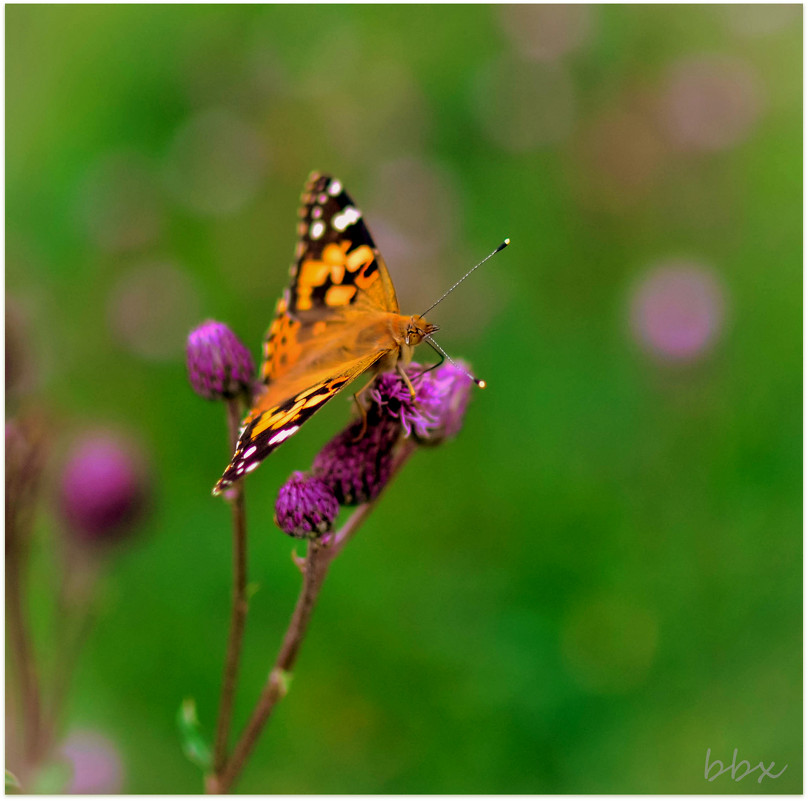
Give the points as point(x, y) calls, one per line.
point(97, 765)
point(219, 365)
point(356, 468)
point(306, 508)
point(677, 311)
point(103, 490)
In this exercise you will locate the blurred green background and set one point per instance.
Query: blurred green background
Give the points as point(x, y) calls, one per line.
point(601, 577)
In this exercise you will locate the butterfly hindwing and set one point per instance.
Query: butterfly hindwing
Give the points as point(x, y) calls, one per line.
point(266, 429)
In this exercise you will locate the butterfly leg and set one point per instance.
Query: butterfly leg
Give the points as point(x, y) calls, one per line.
point(363, 414)
point(434, 366)
point(403, 373)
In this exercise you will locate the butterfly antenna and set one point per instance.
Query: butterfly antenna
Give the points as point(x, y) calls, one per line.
point(478, 381)
point(455, 285)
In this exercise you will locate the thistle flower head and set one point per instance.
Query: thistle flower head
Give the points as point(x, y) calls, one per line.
point(356, 465)
point(306, 508)
point(452, 384)
point(441, 396)
point(102, 492)
point(393, 399)
point(219, 365)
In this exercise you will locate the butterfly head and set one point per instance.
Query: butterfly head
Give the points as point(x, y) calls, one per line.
point(417, 329)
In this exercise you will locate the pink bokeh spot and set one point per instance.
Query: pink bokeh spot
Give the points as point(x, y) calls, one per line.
point(97, 765)
point(678, 311)
point(710, 103)
point(547, 31)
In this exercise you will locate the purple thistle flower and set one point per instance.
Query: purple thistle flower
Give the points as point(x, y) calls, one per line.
point(219, 365)
point(393, 399)
point(102, 493)
point(355, 467)
point(306, 508)
point(452, 385)
point(441, 397)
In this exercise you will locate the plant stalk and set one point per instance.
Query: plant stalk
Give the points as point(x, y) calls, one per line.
point(239, 606)
point(318, 560)
point(314, 573)
point(22, 653)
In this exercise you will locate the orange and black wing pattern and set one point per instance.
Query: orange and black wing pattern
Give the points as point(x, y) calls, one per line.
point(337, 270)
point(312, 350)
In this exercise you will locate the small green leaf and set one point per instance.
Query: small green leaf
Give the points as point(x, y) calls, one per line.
point(194, 744)
point(252, 588)
point(12, 782)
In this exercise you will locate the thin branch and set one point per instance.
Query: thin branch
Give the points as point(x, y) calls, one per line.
point(76, 610)
point(315, 571)
point(238, 613)
point(22, 486)
point(318, 560)
point(22, 651)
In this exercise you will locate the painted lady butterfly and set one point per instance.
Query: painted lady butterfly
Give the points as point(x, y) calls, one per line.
point(337, 320)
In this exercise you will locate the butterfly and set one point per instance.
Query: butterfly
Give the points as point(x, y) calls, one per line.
point(339, 319)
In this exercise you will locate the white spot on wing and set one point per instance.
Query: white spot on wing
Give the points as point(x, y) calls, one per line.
point(251, 467)
point(317, 212)
point(282, 435)
point(322, 199)
point(348, 216)
point(316, 229)
point(249, 452)
point(334, 188)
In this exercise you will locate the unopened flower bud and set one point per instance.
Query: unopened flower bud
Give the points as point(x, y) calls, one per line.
point(219, 364)
point(356, 465)
point(306, 508)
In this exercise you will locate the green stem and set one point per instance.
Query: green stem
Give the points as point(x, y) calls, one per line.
point(239, 606)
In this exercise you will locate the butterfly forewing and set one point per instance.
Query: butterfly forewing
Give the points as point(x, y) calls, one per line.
point(337, 270)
